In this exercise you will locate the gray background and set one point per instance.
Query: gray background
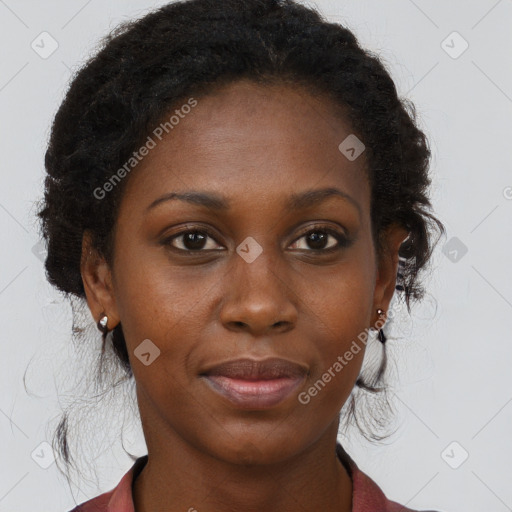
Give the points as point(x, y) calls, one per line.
point(452, 359)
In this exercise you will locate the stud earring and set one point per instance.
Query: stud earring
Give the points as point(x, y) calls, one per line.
point(102, 324)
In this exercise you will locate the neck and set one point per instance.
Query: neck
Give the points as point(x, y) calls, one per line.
point(180, 477)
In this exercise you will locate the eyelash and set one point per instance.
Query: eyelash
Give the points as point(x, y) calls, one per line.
point(343, 242)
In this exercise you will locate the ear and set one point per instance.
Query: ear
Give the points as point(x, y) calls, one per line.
point(98, 284)
point(387, 268)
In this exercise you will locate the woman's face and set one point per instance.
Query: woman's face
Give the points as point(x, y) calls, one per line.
point(249, 283)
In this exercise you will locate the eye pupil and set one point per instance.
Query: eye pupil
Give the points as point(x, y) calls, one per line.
point(193, 240)
point(316, 238)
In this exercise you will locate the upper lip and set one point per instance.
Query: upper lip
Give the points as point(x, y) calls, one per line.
point(273, 368)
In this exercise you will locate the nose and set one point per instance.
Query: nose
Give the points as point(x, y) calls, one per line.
point(258, 299)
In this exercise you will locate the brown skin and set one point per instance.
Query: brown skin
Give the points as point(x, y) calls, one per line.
point(256, 145)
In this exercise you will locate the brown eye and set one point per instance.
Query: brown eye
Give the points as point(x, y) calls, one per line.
point(195, 240)
point(322, 239)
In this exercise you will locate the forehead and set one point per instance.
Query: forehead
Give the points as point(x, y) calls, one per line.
point(249, 140)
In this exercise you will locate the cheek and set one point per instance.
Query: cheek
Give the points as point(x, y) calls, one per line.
point(341, 313)
point(152, 296)
point(341, 301)
point(166, 305)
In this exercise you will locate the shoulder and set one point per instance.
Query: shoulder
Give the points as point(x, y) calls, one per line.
point(97, 504)
point(393, 506)
point(120, 497)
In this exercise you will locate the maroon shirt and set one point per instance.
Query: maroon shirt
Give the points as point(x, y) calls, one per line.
point(366, 494)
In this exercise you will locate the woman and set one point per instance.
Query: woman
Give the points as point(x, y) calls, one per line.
point(230, 187)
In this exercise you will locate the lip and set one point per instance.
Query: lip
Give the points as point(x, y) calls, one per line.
point(255, 384)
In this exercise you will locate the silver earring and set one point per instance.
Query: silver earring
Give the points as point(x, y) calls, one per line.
point(102, 324)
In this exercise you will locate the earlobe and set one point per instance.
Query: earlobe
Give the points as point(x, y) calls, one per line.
point(97, 280)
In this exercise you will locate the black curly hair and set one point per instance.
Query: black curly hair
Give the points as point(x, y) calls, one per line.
point(146, 67)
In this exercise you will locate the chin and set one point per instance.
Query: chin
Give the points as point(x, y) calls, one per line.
point(256, 450)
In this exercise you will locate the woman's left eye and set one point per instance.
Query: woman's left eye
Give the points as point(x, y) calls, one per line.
point(318, 237)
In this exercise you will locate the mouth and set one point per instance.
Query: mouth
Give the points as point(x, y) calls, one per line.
point(253, 384)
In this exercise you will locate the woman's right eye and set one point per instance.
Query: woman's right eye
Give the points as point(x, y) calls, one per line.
point(190, 240)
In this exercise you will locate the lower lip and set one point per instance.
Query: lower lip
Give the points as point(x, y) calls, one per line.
point(254, 394)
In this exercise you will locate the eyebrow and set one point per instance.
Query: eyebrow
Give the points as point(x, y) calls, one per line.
point(217, 202)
